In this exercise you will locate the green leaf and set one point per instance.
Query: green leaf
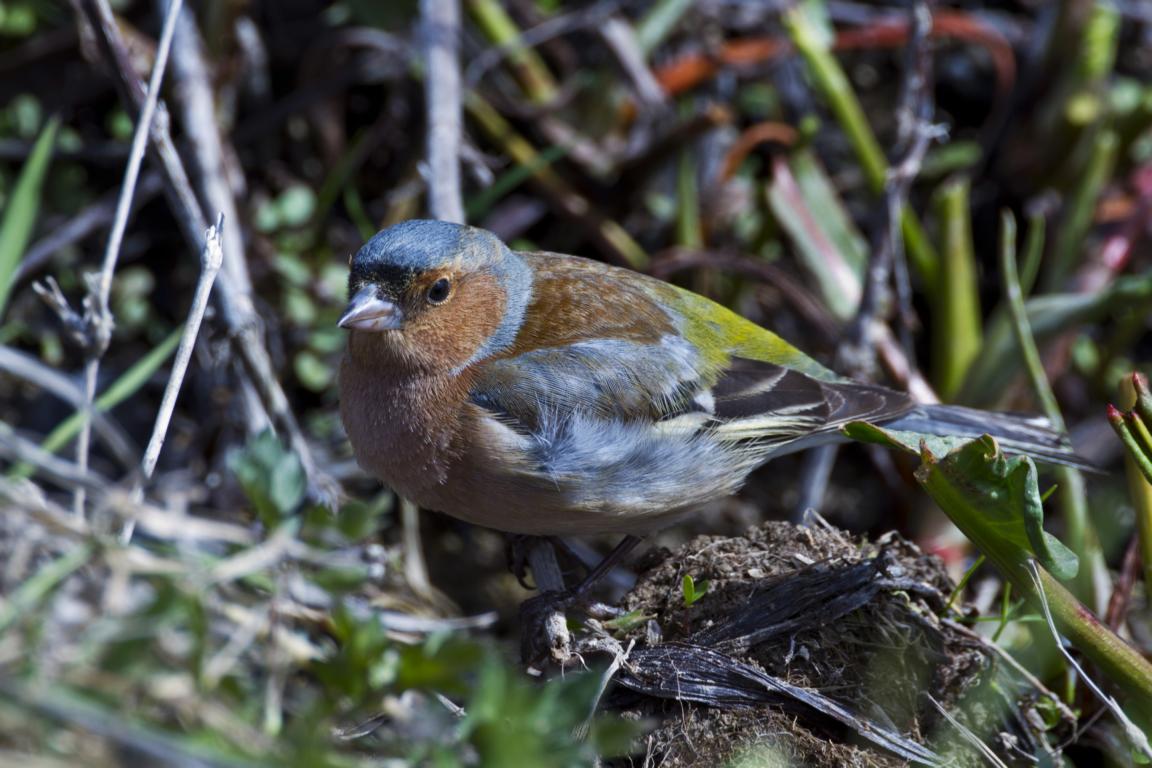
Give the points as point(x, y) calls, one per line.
point(20, 213)
point(909, 442)
point(314, 373)
point(691, 590)
point(995, 501)
point(288, 482)
point(822, 195)
point(271, 475)
point(296, 205)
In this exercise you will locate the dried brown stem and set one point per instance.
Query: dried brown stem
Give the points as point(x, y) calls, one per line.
point(210, 259)
point(233, 296)
point(97, 313)
point(442, 93)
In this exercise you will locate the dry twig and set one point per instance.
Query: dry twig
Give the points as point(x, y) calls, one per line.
point(233, 295)
point(211, 259)
point(97, 314)
point(441, 38)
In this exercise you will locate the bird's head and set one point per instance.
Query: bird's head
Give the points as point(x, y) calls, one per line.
point(435, 296)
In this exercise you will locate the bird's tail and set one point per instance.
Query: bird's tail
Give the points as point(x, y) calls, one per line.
point(1016, 433)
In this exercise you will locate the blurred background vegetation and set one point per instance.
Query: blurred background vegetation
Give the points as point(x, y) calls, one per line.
point(838, 172)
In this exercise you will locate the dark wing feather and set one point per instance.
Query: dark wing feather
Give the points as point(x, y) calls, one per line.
point(753, 396)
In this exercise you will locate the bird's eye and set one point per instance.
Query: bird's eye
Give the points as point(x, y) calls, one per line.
point(439, 291)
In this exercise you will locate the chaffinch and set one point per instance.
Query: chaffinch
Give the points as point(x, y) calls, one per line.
point(548, 394)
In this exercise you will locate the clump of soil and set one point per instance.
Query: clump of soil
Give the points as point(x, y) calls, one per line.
point(858, 623)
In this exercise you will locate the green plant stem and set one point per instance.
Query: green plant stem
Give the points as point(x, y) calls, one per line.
point(1136, 452)
point(529, 68)
point(688, 230)
point(1073, 497)
point(1122, 663)
point(480, 203)
point(1033, 252)
point(1070, 238)
point(1141, 492)
point(1139, 485)
point(1048, 316)
point(1117, 659)
point(1005, 611)
point(957, 331)
point(833, 85)
point(960, 585)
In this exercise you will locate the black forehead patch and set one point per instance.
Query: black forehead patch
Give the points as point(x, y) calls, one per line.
point(394, 257)
point(393, 279)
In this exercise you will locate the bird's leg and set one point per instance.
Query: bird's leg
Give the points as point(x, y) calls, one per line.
point(545, 625)
point(536, 554)
point(610, 561)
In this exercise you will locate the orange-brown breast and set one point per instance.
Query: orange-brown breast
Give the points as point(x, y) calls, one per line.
point(403, 424)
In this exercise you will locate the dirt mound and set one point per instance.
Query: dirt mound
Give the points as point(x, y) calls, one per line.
point(809, 648)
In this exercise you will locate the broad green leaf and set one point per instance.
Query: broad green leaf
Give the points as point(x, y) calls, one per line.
point(909, 442)
point(995, 501)
point(20, 213)
point(288, 483)
point(271, 475)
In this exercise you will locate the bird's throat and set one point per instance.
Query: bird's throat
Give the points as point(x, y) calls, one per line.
point(402, 423)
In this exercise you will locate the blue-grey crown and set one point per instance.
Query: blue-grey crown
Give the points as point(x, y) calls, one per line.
point(422, 244)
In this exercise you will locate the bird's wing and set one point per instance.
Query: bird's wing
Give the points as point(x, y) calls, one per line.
point(758, 400)
point(594, 340)
point(611, 344)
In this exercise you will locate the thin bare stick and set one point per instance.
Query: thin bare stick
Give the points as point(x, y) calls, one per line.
point(233, 296)
point(887, 263)
point(97, 312)
point(967, 734)
point(101, 24)
point(196, 107)
point(193, 92)
point(24, 366)
point(1137, 738)
point(621, 38)
point(440, 35)
point(210, 260)
point(15, 448)
point(93, 217)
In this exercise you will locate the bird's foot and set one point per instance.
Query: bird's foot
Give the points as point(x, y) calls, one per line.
point(545, 635)
point(546, 638)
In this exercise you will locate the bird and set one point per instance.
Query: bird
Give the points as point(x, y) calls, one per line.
point(552, 395)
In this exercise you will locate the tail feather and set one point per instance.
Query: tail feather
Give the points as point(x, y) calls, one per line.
point(1016, 433)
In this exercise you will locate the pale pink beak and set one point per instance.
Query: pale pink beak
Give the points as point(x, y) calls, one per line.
point(368, 312)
